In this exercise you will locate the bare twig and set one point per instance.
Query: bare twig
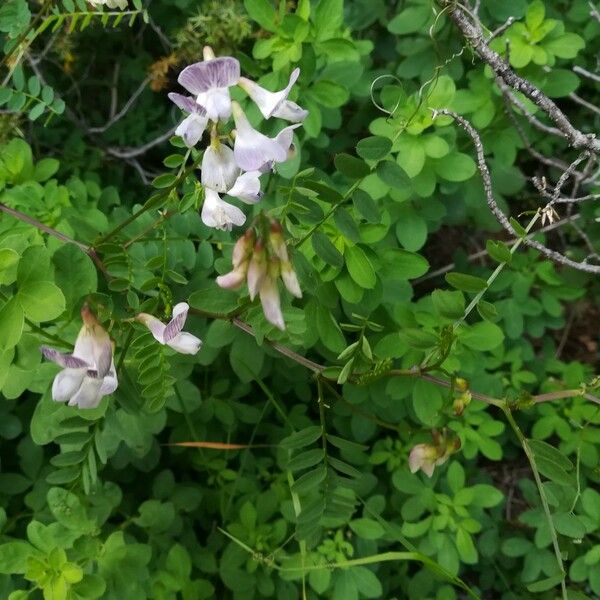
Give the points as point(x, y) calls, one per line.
point(502, 70)
point(495, 209)
point(579, 100)
point(117, 116)
point(126, 153)
point(585, 73)
point(477, 255)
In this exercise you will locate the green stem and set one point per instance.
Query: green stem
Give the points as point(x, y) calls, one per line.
point(334, 207)
point(538, 481)
point(153, 202)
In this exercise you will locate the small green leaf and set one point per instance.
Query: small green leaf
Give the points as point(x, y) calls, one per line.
point(360, 267)
point(350, 166)
point(373, 148)
point(393, 175)
point(466, 283)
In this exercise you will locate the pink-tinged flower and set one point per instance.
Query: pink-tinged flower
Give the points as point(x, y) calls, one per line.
point(423, 457)
point(172, 333)
point(426, 457)
point(260, 263)
point(257, 269)
point(269, 297)
point(275, 104)
point(252, 149)
point(190, 130)
point(219, 169)
point(240, 259)
point(247, 187)
point(89, 372)
point(220, 214)
point(290, 279)
point(210, 81)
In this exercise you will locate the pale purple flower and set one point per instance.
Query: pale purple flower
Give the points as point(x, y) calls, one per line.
point(219, 169)
point(252, 149)
point(210, 81)
point(172, 333)
point(247, 187)
point(220, 214)
point(193, 126)
point(275, 104)
point(89, 372)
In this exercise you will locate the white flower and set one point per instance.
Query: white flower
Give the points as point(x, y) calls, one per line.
point(210, 81)
point(171, 334)
point(275, 104)
point(252, 149)
point(424, 457)
point(193, 126)
point(269, 298)
point(89, 372)
point(247, 187)
point(219, 169)
point(220, 214)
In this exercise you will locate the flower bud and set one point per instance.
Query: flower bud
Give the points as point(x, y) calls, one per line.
point(277, 242)
point(243, 248)
point(257, 269)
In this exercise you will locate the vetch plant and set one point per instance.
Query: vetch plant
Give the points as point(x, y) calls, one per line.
point(382, 222)
point(89, 372)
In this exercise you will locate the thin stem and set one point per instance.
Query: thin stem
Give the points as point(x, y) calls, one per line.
point(17, 214)
point(538, 481)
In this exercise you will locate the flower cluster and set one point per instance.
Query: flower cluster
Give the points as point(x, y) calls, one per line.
point(234, 168)
point(88, 373)
point(426, 457)
point(260, 261)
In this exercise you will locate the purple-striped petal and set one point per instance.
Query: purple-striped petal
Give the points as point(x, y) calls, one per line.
point(175, 325)
point(187, 104)
point(67, 361)
point(216, 73)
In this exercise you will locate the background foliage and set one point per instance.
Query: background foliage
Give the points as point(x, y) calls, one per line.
point(392, 239)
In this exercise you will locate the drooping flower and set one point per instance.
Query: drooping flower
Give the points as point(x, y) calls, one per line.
point(172, 333)
point(89, 372)
point(423, 457)
point(252, 149)
point(193, 126)
point(275, 104)
point(269, 296)
point(288, 275)
point(549, 214)
point(260, 263)
point(426, 457)
point(240, 258)
point(210, 81)
point(220, 214)
point(219, 169)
